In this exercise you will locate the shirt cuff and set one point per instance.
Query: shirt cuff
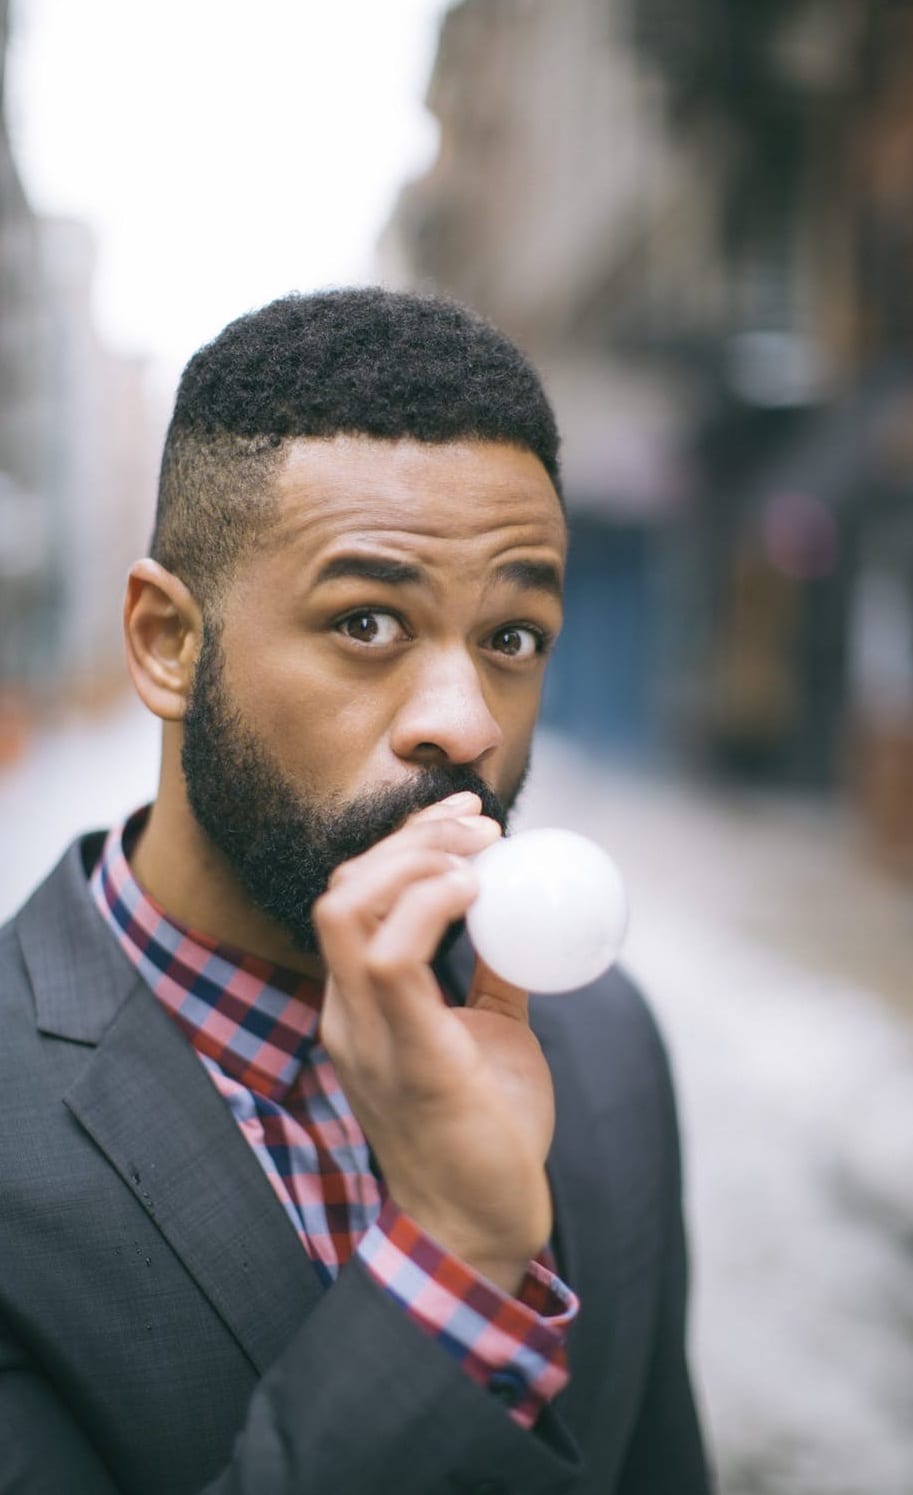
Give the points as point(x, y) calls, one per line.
point(513, 1347)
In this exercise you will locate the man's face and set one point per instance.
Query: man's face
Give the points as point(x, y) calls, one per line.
point(384, 648)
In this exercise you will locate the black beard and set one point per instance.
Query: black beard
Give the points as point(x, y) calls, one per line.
point(282, 848)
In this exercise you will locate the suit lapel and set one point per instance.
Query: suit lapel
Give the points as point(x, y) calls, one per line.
point(586, 1219)
point(145, 1099)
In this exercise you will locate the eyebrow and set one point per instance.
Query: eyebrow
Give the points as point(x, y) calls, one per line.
point(531, 576)
point(371, 568)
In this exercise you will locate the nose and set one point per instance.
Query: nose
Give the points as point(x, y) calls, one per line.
point(445, 717)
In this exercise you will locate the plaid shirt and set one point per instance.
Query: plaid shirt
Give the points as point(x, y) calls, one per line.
point(255, 1027)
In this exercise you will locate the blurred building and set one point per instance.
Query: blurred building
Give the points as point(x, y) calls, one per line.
point(77, 462)
point(103, 445)
point(697, 218)
point(26, 585)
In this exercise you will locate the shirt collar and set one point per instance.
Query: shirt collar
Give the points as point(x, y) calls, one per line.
point(258, 1021)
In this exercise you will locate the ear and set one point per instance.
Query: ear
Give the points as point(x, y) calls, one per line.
point(163, 632)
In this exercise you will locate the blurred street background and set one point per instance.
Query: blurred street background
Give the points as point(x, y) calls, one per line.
point(696, 216)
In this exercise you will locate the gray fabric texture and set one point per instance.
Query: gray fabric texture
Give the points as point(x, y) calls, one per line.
point(162, 1332)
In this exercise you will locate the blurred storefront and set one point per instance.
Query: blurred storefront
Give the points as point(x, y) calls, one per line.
point(77, 464)
point(697, 218)
point(25, 520)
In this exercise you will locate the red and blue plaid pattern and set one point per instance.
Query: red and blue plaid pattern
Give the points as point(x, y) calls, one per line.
point(255, 1027)
point(511, 1341)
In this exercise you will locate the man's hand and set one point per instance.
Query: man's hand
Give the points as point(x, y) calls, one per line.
point(456, 1103)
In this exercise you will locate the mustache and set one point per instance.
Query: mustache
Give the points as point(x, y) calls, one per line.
point(383, 811)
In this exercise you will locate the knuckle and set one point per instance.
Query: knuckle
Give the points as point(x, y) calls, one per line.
point(436, 860)
point(329, 911)
point(386, 967)
point(362, 1070)
point(437, 835)
point(341, 875)
point(332, 1035)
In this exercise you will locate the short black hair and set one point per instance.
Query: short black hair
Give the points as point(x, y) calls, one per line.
point(364, 361)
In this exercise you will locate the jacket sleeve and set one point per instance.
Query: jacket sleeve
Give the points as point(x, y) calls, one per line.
point(393, 1412)
point(42, 1448)
point(361, 1401)
point(665, 1454)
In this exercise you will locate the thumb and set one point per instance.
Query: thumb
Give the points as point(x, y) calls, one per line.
point(491, 993)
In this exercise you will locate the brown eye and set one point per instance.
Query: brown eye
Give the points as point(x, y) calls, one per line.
point(363, 627)
point(516, 642)
point(371, 627)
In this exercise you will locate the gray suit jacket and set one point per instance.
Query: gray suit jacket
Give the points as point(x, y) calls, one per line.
point(162, 1331)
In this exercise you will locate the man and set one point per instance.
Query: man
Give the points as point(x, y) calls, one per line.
point(276, 1215)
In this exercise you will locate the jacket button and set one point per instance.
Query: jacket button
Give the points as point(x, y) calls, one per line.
point(507, 1387)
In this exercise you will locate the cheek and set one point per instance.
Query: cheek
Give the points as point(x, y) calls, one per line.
point(518, 724)
point(320, 725)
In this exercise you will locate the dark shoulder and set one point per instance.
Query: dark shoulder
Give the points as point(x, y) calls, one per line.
point(64, 885)
point(12, 967)
point(54, 934)
point(606, 1037)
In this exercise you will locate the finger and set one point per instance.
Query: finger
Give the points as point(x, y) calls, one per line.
point(464, 803)
point(365, 890)
point(491, 993)
point(463, 836)
point(388, 991)
point(398, 957)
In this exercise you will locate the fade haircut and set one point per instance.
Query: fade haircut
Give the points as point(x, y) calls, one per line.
point(363, 361)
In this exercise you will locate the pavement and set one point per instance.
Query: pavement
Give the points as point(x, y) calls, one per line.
point(777, 958)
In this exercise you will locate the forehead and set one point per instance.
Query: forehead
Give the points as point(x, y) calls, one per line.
point(463, 503)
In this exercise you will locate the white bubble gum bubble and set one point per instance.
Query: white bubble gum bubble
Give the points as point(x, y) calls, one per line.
point(551, 913)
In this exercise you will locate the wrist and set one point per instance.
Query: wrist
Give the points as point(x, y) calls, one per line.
point(500, 1261)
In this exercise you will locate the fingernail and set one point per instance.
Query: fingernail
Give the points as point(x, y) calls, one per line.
point(477, 820)
point(461, 798)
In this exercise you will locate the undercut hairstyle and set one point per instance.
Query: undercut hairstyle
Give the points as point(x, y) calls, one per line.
point(363, 361)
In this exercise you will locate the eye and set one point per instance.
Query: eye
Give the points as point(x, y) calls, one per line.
point(370, 626)
point(519, 642)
